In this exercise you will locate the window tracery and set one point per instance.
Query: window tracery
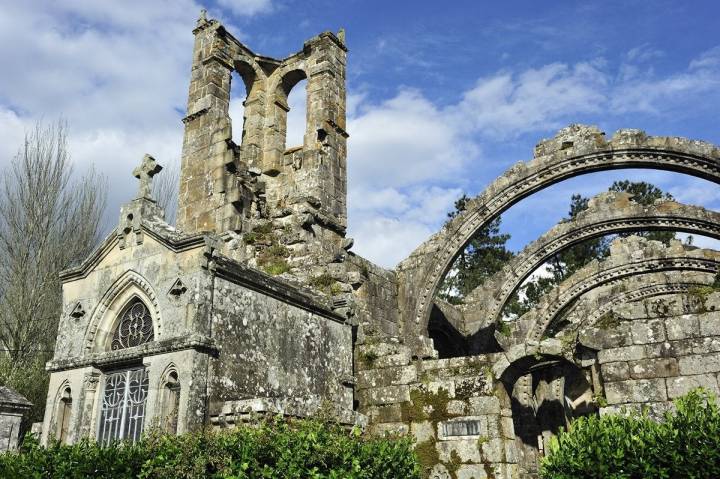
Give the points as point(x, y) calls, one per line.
point(123, 406)
point(135, 327)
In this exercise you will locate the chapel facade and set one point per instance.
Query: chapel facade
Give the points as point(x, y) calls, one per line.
point(254, 303)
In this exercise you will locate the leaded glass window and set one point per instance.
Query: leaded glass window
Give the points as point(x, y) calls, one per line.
point(123, 406)
point(135, 327)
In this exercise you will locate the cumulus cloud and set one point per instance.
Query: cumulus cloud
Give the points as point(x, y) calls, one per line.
point(536, 99)
point(118, 72)
point(407, 150)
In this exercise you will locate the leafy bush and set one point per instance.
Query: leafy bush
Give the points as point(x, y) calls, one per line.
point(276, 449)
point(686, 444)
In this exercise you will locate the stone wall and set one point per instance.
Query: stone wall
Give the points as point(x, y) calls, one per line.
point(13, 409)
point(300, 360)
point(456, 409)
point(661, 348)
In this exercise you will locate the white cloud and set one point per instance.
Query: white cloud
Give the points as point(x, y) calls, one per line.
point(118, 72)
point(12, 132)
point(409, 144)
point(506, 105)
point(649, 94)
point(387, 240)
point(247, 7)
point(405, 141)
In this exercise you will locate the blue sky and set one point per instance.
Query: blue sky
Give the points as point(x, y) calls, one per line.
point(443, 96)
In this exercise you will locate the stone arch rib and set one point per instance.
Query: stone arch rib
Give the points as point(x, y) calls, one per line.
point(574, 151)
point(608, 213)
point(630, 257)
point(636, 288)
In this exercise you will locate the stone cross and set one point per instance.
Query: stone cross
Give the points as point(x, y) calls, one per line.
point(147, 169)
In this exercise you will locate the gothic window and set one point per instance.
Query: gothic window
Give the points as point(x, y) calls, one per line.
point(64, 409)
point(123, 406)
point(170, 403)
point(135, 327)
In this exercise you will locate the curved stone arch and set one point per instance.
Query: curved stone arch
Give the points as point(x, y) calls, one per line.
point(574, 151)
point(647, 286)
point(249, 70)
point(630, 257)
point(56, 407)
point(170, 368)
point(608, 213)
point(106, 314)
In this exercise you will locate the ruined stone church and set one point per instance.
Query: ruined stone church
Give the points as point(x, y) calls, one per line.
point(255, 303)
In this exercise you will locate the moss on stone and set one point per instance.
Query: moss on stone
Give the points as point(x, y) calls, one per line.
point(503, 328)
point(427, 454)
point(608, 320)
point(273, 259)
point(325, 283)
point(368, 358)
point(426, 406)
point(701, 293)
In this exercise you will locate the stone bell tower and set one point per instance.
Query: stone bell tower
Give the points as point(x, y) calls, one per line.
point(225, 187)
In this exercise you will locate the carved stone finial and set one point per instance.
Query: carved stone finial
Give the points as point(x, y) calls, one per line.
point(341, 35)
point(147, 169)
point(203, 16)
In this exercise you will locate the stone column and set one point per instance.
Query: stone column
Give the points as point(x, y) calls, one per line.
point(206, 144)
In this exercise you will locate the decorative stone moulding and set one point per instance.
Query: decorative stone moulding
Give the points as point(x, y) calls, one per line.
point(574, 151)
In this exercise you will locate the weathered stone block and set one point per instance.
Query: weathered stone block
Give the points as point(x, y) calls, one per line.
point(423, 431)
point(710, 324)
point(682, 327)
point(456, 407)
point(647, 332)
point(392, 376)
point(602, 338)
point(385, 413)
point(389, 428)
point(385, 395)
point(471, 471)
point(653, 368)
point(696, 364)
point(626, 353)
point(439, 471)
point(615, 371)
point(706, 345)
point(680, 386)
point(507, 427)
point(640, 390)
point(466, 449)
point(483, 405)
point(669, 349)
point(493, 450)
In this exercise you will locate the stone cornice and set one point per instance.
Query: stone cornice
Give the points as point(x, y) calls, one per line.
point(124, 356)
point(226, 268)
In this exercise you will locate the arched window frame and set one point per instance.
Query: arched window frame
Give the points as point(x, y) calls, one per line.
point(122, 402)
point(63, 413)
point(106, 315)
point(169, 400)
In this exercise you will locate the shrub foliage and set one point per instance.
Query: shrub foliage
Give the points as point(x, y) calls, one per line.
point(276, 449)
point(686, 444)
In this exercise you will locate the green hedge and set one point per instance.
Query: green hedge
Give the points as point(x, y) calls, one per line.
point(685, 445)
point(277, 449)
